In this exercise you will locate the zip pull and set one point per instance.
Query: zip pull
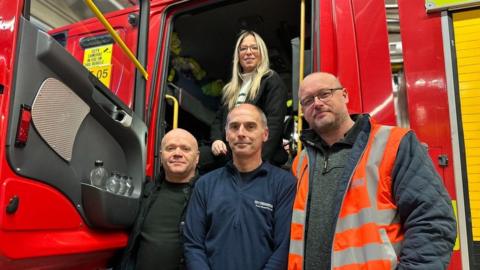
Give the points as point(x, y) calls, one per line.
point(325, 165)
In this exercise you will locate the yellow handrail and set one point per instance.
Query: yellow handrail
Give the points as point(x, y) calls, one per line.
point(116, 37)
point(175, 110)
point(301, 71)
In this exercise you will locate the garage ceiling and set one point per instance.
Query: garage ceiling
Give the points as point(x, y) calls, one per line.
point(49, 14)
point(54, 13)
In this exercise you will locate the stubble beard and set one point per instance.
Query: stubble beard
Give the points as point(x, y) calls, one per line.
point(331, 126)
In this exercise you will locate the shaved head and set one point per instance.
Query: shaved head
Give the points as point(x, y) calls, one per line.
point(179, 155)
point(172, 134)
point(247, 106)
point(323, 77)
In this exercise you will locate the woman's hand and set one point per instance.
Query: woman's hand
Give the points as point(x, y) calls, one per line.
point(219, 148)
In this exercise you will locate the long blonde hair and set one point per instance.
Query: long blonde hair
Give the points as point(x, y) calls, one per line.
point(231, 89)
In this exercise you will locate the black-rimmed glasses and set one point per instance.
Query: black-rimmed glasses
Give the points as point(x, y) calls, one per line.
point(322, 94)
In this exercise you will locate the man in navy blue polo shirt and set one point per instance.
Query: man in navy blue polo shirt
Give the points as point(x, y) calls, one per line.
point(239, 215)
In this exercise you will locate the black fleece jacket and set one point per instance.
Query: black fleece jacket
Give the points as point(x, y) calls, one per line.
point(127, 259)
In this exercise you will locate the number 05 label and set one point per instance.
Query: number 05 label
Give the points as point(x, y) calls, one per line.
point(98, 60)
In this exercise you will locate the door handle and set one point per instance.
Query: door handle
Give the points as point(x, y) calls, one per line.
point(121, 117)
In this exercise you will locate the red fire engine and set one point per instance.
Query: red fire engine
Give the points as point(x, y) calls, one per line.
point(72, 95)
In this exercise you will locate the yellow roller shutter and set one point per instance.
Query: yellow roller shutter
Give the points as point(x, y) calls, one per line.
point(467, 42)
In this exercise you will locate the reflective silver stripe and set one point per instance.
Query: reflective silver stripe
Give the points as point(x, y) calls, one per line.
point(389, 250)
point(296, 247)
point(298, 216)
point(373, 164)
point(370, 214)
point(367, 215)
point(300, 161)
point(373, 251)
point(360, 255)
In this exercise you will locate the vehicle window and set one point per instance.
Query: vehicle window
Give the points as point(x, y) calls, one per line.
point(75, 27)
point(51, 14)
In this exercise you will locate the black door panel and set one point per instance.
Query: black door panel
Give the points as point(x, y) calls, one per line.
point(110, 131)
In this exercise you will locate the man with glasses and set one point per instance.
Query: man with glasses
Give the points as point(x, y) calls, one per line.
point(368, 195)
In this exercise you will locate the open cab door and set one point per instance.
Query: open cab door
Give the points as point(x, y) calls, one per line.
point(57, 120)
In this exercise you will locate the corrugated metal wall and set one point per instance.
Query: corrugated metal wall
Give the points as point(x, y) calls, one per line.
point(467, 43)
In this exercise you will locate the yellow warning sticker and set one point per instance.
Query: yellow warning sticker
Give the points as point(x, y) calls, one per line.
point(98, 60)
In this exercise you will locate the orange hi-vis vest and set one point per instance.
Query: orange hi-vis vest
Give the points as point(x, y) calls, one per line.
point(368, 233)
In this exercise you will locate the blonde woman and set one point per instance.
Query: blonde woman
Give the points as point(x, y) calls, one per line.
point(253, 82)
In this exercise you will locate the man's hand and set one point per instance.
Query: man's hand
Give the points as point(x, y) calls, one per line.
point(219, 148)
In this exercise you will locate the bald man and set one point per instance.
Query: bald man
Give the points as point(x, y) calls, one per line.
point(371, 193)
point(156, 241)
point(239, 215)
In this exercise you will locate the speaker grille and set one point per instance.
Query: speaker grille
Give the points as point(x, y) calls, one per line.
point(57, 113)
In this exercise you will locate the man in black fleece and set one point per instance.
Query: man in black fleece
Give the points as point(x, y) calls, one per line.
point(156, 238)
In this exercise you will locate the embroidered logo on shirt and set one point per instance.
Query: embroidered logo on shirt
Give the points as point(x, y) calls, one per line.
point(263, 205)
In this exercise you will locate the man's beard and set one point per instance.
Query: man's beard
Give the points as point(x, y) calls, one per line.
point(339, 119)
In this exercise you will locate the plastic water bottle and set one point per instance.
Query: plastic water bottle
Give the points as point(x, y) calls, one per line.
point(113, 183)
point(129, 186)
point(122, 185)
point(98, 175)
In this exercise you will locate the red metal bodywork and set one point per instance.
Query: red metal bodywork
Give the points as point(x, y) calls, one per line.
point(47, 229)
point(123, 72)
point(361, 62)
point(156, 24)
point(424, 67)
point(11, 11)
